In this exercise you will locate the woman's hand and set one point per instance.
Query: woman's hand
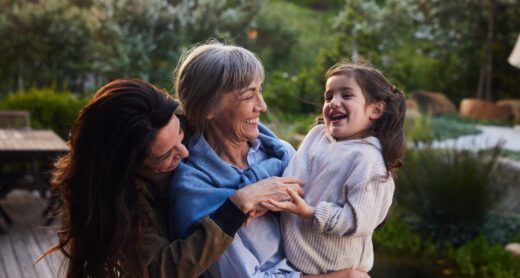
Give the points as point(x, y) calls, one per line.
point(274, 188)
point(296, 205)
point(342, 273)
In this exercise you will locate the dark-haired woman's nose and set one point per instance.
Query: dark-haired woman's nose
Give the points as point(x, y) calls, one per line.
point(182, 151)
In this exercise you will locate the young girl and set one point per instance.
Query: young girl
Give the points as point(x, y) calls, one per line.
point(346, 164)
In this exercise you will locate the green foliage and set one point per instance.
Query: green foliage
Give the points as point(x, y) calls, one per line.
point(426, 129)
point(289, 127)
point(290, 35)
point(289, 94)
point(418, 129)
point(448, 190)
point(43, 43)
point(478, 258)
point(83, 45)
point(473, 121)
point(49, 109)
point(319, 4)
point(396, 235)
point(435, 45)
point(448, 127)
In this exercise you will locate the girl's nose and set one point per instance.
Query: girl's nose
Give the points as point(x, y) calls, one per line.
point(334, 102)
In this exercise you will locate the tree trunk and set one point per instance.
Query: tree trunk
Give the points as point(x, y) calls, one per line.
point(484, 87)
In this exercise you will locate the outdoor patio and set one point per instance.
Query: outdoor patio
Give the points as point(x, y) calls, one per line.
point(27, 238)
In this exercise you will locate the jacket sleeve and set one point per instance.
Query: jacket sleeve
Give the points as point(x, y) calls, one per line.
point(369, 194)
point(191, 256)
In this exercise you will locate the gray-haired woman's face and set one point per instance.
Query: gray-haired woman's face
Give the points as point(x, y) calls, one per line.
point(239, 112)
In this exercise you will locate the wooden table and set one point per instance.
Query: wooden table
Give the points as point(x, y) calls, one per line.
point(32, 146)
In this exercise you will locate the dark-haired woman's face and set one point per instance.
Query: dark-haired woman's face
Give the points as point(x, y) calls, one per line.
point(166, 149)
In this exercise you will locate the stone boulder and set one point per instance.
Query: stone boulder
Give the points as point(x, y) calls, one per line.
point(481, 109)
point(514, 104)
point(433, 103)
point(513, 248)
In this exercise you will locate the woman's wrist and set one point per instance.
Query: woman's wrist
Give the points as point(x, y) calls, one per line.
point(242, 201)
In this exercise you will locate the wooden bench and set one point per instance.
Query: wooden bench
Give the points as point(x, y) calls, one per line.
point(15, 120)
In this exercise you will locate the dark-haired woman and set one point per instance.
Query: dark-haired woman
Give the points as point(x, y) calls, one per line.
point(123, 147)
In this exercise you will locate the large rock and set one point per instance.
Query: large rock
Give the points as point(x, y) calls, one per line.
point(514, 104)
point(513, 248)
point(433, 103)
point(481, 109)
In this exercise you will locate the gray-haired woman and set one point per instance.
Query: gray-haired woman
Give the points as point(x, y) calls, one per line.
point(220, 90)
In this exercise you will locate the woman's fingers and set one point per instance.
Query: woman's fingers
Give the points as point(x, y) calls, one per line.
point(268, 205)
point(294, 195)
point(291, 180)
point(277, 206)
point(296, 187)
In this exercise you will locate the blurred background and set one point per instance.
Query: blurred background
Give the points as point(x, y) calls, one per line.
point(456, 211)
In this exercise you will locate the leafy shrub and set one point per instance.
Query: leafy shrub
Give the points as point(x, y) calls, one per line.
point(289, 127)
point(500, 228)
point(49, 109)
point(478, 258)
point(418, 129)
point(448, 127)
point(426, 129)
point(448, 190)
point(396, 235)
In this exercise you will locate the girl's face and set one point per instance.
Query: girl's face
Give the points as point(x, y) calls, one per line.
point(238, 115)
point(166, 149)
point(346, 113)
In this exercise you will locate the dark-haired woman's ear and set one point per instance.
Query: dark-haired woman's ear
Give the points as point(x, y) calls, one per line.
point(378, 110)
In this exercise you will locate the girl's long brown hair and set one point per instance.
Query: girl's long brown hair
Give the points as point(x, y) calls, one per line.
point(388, 128)
point(101, 213)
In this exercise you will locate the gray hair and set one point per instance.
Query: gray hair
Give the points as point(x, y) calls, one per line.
point(208, 71)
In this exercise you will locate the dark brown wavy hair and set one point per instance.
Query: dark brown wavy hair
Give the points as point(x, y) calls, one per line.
point(101, 216)
point(388, 128)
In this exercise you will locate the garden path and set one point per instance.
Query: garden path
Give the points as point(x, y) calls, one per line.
point(488, 138)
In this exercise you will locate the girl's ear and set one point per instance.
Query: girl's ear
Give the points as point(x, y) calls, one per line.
point(210, 115)
point(378, 110)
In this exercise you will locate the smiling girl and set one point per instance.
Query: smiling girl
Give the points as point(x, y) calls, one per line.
point(346, 163)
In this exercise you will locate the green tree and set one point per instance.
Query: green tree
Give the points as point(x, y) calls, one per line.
point(434, 45)
point(43, 42)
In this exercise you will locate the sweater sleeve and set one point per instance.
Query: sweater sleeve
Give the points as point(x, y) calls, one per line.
point(368, 197)
point(191, 256)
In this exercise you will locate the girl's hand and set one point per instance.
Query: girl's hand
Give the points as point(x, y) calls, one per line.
point(297, 205)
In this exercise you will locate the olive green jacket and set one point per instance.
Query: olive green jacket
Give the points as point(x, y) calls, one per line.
point(189, 257)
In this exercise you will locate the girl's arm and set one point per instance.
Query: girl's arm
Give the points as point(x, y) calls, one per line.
point(368, 198)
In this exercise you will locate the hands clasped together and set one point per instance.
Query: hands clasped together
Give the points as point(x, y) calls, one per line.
point(275, 194)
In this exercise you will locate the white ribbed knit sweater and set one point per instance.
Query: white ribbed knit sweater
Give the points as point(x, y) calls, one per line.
point(346, 181)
